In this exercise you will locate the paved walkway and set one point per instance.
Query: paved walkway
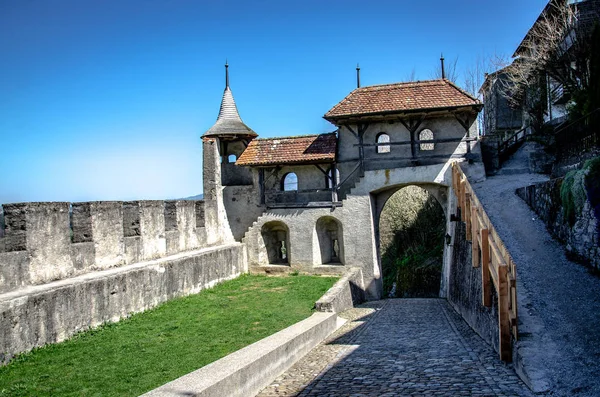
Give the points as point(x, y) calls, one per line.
point(400, 347)
point(559, 300)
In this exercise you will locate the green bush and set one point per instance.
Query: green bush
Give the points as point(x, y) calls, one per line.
point(579, 186)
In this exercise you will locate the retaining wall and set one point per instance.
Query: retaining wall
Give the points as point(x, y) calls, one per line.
point(582, 239)
point(36, 315)
point(43, 242)
point(345, 294)
point(249, 370)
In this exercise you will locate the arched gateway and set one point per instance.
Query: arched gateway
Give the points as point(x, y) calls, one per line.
point(332, 222)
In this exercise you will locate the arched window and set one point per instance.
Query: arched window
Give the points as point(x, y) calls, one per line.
point(232, 158)
point(329, 179)
point(426, 135)
point(290, 182)
point(383, 138)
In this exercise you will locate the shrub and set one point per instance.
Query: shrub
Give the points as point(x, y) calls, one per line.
point(579, 186)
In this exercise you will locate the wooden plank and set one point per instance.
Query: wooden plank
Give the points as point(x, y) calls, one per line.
point(499, 259)
point(481, 221)
point(454, 177)
point(468, 215)
point(494, 272)
point(462, 199)
point(475, 246)
point(505, 340)
point(514, 304)
point(485, 269)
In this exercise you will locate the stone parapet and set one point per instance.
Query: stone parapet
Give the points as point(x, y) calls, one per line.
point(345, 293)
point(46, 241)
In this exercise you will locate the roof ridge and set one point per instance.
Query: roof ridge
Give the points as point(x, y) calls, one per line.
point(402, 83)
point(404, 96)
point(294, 136)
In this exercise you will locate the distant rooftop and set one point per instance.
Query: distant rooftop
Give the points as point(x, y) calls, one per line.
point(401, 97)
point(290, 150)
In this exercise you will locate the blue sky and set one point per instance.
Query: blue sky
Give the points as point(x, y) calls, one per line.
point(107, 99)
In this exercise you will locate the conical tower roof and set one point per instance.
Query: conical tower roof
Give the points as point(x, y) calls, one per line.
point(229, 123)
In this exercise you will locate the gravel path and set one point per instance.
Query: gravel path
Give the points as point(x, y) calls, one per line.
point(559, 301)
point(400, 347)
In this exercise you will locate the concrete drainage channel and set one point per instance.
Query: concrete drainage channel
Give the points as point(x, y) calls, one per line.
point(249, 370)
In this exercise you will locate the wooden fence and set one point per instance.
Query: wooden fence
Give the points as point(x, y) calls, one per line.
point(498, 270)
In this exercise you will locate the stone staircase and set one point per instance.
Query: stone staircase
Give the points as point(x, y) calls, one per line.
point(350, 185)
point(518, 162)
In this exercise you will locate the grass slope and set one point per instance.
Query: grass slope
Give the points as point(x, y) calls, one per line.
point(154, 347)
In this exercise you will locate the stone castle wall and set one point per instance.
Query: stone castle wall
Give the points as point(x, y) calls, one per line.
point(582, 239)
point(67, 267)
point(43, 242)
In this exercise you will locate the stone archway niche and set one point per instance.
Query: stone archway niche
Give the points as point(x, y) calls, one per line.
point(276, 239)
point(329, 239)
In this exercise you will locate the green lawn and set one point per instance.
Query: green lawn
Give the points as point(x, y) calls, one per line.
point(154, 347)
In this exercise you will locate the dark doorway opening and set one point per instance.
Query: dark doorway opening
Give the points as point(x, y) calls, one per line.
point(411, 235)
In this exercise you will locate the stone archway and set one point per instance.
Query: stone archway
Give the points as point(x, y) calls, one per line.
point(410, 230)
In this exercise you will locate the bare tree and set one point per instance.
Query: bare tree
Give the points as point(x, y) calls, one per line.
point(555, 46)
point(475, 74)
point(450, 71)
point(412, 76)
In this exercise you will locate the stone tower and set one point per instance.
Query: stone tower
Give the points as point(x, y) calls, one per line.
point(222, 145)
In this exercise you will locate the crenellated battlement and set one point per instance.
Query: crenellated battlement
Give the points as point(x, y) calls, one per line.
point(46, 241)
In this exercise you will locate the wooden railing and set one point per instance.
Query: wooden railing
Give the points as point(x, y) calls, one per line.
point(489, 253)
point(511, 144)
point(580, 136)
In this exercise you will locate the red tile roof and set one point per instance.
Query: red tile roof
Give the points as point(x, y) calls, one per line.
point(400, 97)
point(290, 150)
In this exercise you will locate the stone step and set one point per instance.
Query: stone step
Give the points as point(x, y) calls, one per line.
point(513, 171)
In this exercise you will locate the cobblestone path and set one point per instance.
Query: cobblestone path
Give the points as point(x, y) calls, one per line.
point(400, 347)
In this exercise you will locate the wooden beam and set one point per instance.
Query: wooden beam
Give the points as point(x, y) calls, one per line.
point(323, 171)
point(465, 123)
point(486, 287)
point(468, 214)
point(351, 130)
point(411, 124)
point(362, 128)
point(417, 141)
point(505, 341)
point(261, 185)
point(462, 198)
point(475, 246)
